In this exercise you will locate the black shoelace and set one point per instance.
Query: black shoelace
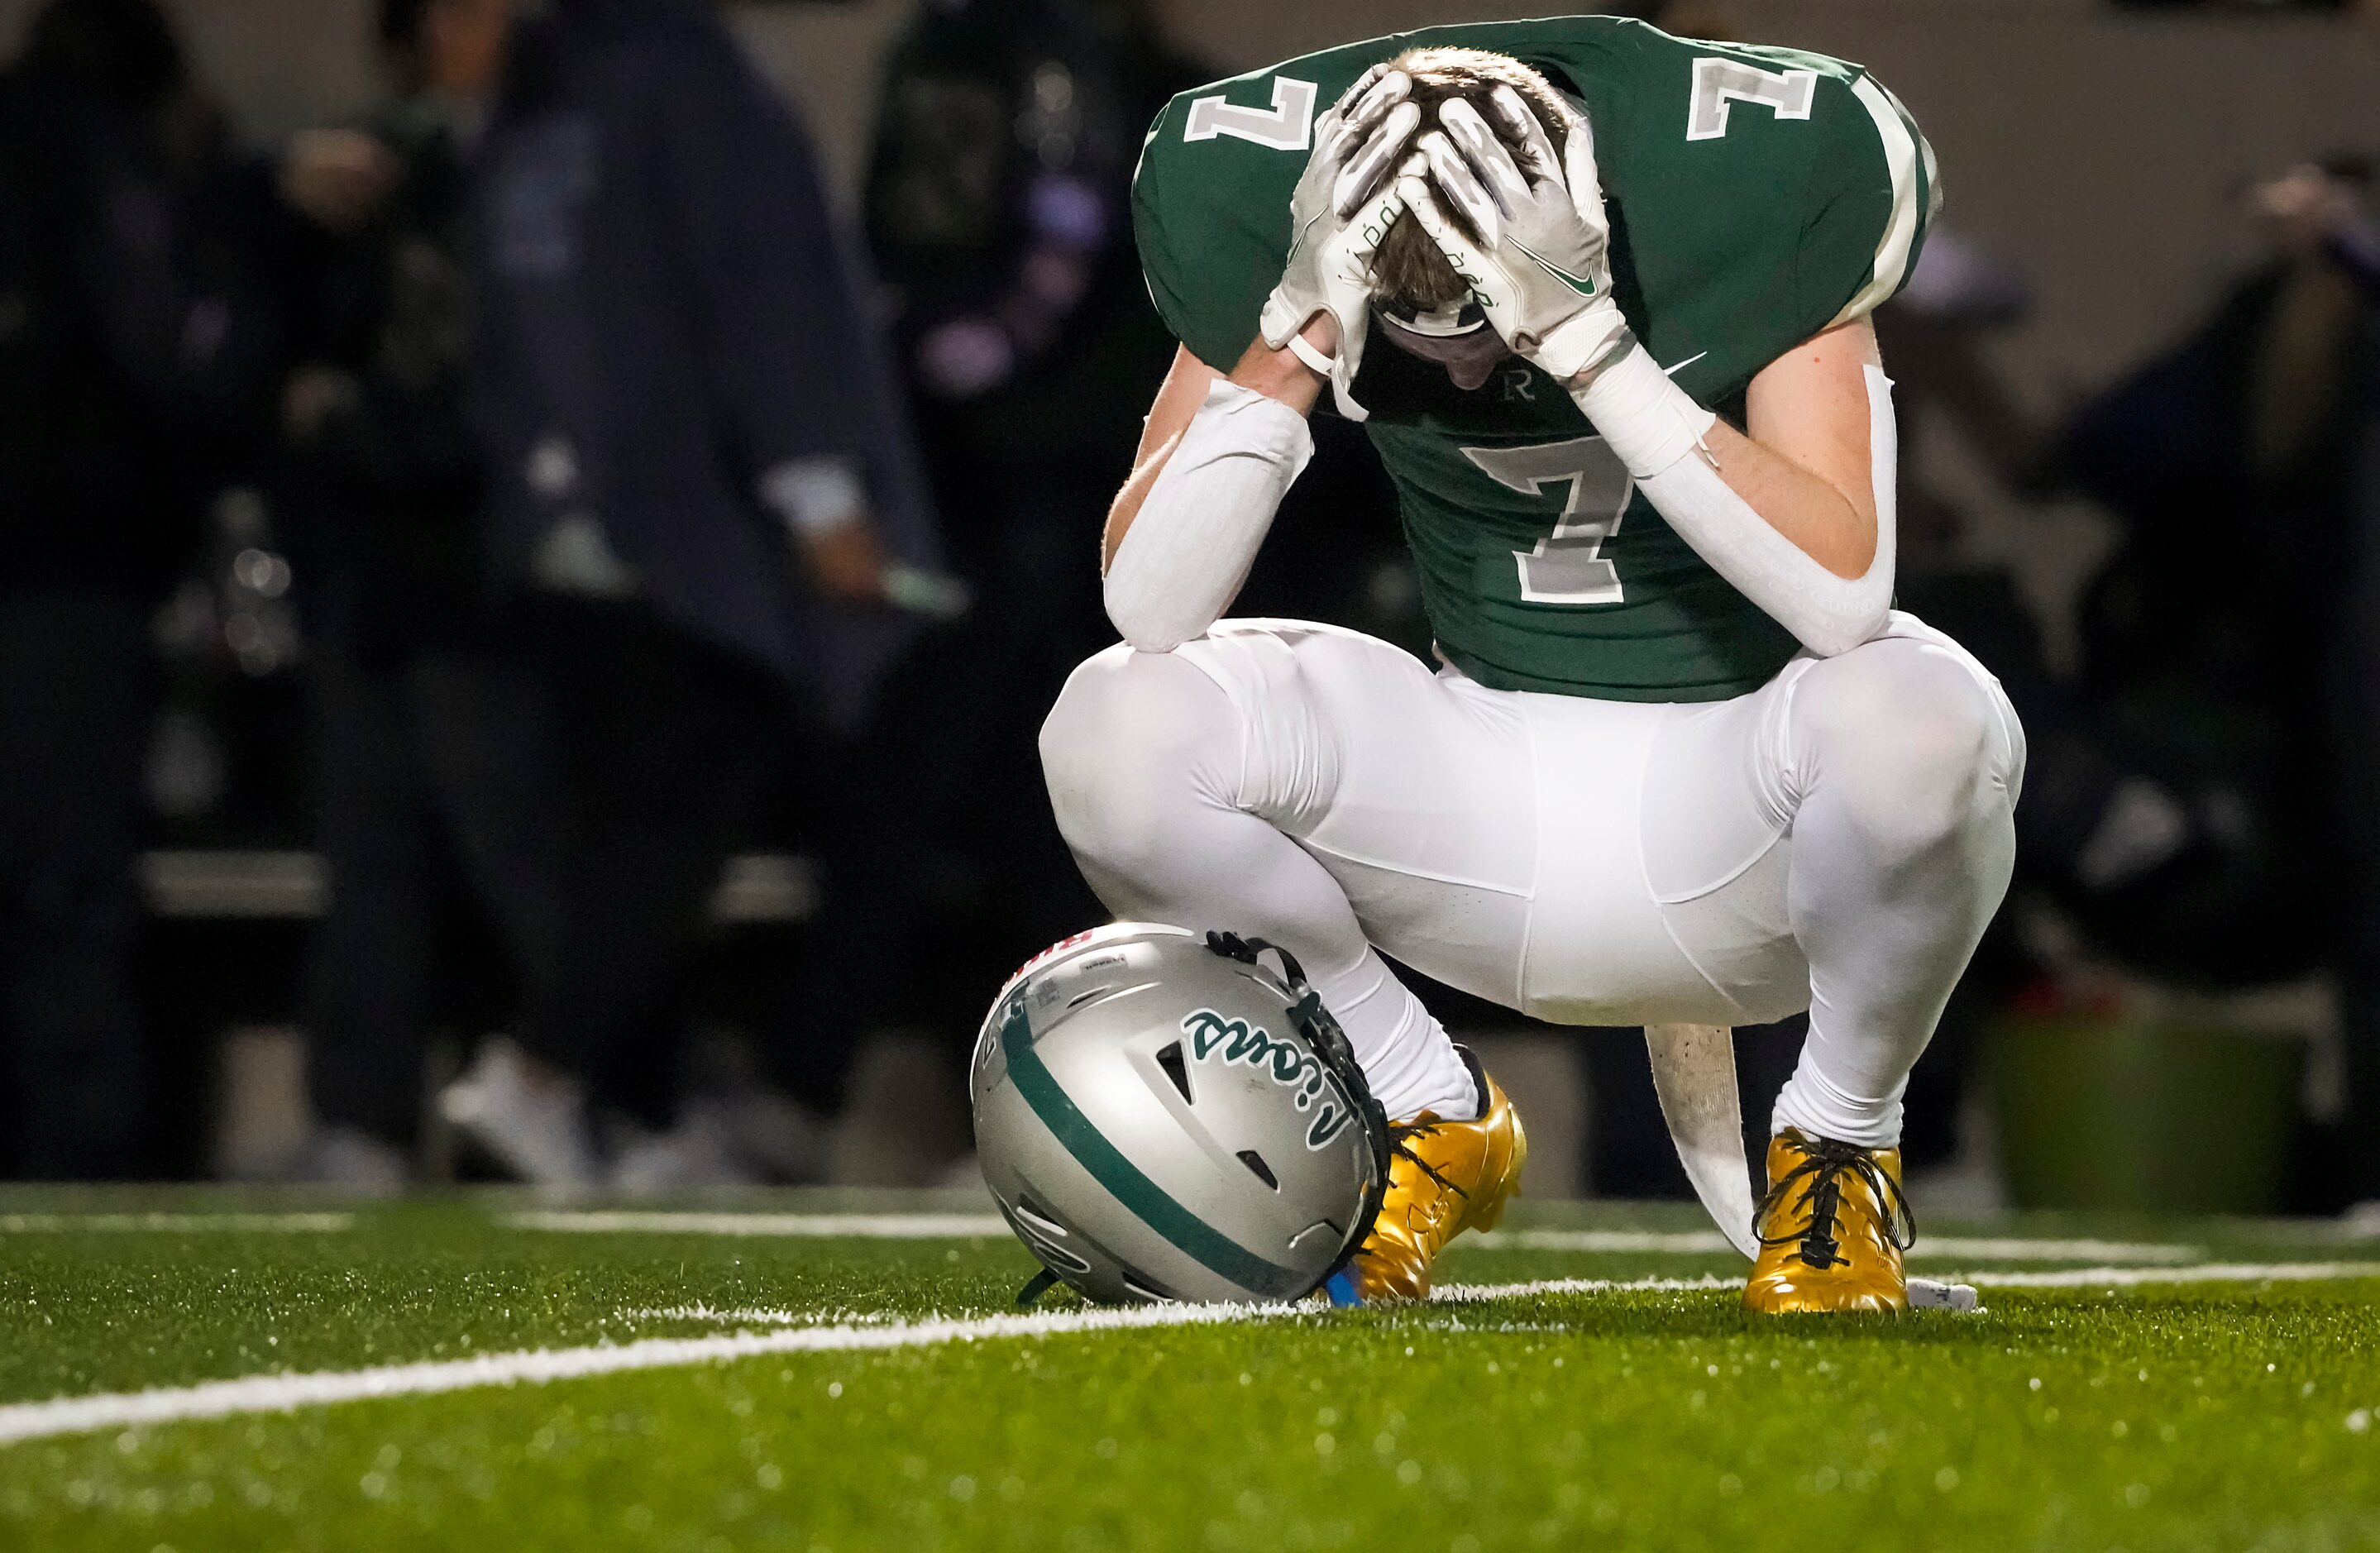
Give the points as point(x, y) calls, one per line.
point(1401, 1136)
point(1820, 1177)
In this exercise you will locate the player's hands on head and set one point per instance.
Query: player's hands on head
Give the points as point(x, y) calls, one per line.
point(1364, 136)
point(1343, 206)
point(1540, 265)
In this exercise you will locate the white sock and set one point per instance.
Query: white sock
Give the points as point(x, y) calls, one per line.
point(1812, 1102)
point(1407, 1059)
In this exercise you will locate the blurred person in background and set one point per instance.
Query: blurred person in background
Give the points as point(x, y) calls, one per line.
point(2183, 816)
point(127, 371)
point(701, 489)
point(998, 212)
point(424, 781)
point(2332, 376)
point(2206, 788)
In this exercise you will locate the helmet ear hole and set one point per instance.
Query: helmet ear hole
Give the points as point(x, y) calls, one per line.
point(1046, 1237)
point(1177, 1069)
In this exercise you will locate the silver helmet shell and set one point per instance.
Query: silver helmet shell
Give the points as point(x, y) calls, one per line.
point(1164, 1117)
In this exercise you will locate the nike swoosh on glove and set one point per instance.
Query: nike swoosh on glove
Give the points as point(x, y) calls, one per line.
point(1343, 207)
point(1540, 266)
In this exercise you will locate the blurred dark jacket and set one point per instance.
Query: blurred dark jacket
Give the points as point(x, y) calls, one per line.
point(2233, 451)
point(668, 320)
point(134, 361)
point(2228, 462)
point(386, 479)
point(998, 208)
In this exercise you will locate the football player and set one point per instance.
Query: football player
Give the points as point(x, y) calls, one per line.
point(1599, 296)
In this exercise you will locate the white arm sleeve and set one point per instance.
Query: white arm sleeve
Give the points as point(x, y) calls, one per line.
point(1657, 431)
point(1190, 546)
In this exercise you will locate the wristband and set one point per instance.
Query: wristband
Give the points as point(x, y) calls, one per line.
point(1648, 421)
point(1578, 345)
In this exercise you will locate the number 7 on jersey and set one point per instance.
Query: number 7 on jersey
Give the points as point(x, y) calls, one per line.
point(1568, 565)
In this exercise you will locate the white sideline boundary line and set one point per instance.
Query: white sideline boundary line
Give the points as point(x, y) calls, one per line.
point(970, 1226)
point(285, 1393)
point(1472, 1293)
point(977, 1226)
point(1993, 1248)
point(2060, 1278)
point(2211, 1272)
point(177, 1223)
point(1935, 1247)
point(823, 1225)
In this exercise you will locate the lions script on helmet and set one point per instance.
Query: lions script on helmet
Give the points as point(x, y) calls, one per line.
point(1162, 1117)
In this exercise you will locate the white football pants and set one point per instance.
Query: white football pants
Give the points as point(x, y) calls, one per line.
point(1835, 840)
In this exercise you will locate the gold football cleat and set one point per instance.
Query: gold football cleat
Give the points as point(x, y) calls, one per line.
point(1444, 1178)
point(1831, 1229)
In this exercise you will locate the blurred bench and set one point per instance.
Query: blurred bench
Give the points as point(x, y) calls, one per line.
point(222, 971)
point(252, 1118)
point(210, 886)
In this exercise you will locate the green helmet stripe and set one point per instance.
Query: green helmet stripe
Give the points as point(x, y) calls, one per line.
point(1216, 1252)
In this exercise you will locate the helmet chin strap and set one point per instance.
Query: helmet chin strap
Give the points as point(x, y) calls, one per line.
point(1439, 323)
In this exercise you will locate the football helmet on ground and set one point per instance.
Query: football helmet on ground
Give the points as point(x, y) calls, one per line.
point(1164, 1117)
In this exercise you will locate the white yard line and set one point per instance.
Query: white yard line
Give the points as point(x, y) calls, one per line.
point(283, 1394)
point(1471, 1294)
point(2211, 1272)
point(747, 1317)
point(1985, 1248)
point(2061, 1277)
point(177, 1223)
point(970, 1226)
point(1709, 1242)
point(975, 1226)
point(829, 1226)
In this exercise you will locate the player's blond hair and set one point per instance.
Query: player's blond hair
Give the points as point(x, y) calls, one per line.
point(1408, 270)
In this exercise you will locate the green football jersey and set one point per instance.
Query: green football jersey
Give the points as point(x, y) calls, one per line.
point(1758, 197)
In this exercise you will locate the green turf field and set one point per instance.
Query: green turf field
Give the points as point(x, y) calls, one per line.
point(2181, 1386)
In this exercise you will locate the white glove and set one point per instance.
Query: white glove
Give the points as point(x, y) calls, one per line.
point(1541, 266)
point(1343, 208)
